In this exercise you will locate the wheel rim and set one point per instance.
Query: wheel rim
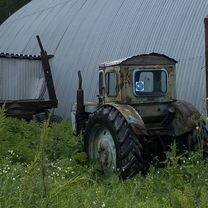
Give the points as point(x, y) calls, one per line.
point(101, 147)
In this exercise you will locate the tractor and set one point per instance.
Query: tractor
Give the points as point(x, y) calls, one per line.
point(137, 116)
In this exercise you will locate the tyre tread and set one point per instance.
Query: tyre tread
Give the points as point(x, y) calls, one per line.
point(129, 148)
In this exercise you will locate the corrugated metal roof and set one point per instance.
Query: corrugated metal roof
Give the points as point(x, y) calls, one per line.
point(22, 56)
point(83, 33)
point(123, 61)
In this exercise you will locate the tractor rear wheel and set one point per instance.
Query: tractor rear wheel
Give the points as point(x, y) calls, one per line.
point(109, 139)
point(197, 139)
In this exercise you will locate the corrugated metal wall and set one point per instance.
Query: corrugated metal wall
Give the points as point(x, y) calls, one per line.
point(21, 79)
point(83, 33)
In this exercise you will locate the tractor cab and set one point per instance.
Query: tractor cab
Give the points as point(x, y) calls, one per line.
point(147, 82)
point(146, 78)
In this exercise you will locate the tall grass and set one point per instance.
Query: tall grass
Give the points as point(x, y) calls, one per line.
point(44, 166)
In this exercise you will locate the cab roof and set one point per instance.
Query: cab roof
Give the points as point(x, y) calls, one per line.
point(142, 59)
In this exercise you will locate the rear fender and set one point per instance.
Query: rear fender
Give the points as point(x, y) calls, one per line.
point(132, 117)
point(185, 118)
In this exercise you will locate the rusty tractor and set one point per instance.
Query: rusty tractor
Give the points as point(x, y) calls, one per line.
point(138, 115)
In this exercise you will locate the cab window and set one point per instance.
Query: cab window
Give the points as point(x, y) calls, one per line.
point(150, 82)
point(101, 82)
point(112, 84)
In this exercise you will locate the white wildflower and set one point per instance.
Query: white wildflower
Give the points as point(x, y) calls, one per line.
point(103, 204)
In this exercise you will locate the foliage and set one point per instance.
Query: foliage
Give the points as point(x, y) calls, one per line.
point(43, 165)
point(8, 7)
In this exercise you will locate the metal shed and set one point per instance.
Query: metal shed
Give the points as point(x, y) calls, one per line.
point(83, 33)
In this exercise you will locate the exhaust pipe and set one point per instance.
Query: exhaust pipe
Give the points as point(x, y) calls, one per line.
point(80, 105)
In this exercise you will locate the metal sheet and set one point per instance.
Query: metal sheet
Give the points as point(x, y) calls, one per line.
point(81, 34)
point(21, 79)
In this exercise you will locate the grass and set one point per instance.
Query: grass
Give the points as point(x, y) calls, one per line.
point(44, 166)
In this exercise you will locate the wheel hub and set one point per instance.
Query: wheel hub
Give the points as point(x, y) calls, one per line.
point(102, 148)
point(104, 157)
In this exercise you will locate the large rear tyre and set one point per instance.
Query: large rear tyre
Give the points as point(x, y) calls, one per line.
point(109, 139)
point(197, 139)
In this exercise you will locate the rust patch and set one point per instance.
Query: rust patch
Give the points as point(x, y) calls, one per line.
point(186, 115)
point(139, 130)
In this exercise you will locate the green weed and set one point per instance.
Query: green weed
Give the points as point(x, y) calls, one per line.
point(44, 166)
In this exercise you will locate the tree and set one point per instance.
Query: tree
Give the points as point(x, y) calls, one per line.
point(8, 7)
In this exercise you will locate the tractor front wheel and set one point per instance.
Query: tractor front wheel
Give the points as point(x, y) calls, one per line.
point(109, 140)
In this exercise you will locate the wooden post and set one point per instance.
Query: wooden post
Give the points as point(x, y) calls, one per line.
point(206, 58)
